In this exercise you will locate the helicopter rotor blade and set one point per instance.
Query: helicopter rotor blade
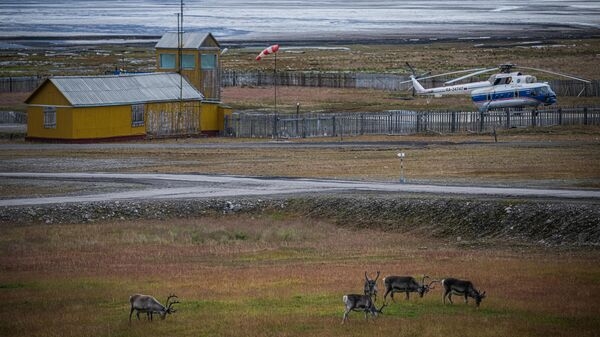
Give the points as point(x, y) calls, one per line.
point(483, 71)
point(559, 74)
point(412, 70)
point(444, 74)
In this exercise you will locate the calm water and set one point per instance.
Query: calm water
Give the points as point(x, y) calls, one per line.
point(264, 19)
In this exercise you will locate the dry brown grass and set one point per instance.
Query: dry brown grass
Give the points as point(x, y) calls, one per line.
point(558, 157)
point(272, 275)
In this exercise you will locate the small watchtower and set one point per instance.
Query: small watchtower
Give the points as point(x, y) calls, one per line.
point(199, 60)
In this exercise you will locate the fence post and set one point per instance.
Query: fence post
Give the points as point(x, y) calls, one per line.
point(303, 127)
point(559, 116)
point(453, 125)
point(533, 115)
point(585, 116)
point(507, 119)
point(333, 122)
point(362, 124)
point(481, 121)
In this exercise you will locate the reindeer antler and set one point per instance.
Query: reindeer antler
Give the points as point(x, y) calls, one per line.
point(377, 275)
point(432, 282)
point(169, 298)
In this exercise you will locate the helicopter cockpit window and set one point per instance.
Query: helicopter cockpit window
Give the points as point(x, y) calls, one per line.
point(508, 80)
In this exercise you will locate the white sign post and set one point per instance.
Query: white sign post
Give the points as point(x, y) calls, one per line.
point(401, 156)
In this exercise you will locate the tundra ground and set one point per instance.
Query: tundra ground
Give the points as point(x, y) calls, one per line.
point(276, 274)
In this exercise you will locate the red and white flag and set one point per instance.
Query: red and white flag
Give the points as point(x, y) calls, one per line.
point(270, 50)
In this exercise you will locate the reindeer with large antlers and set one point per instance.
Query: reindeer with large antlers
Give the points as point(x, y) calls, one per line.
point(371, 286)
point(406, 284)
point(150, 305)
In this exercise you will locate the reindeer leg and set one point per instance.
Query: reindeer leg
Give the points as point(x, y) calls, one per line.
point(450, 298)
point(137, 314)
point(407, 297)
point(130, 313)
point(466, 299)
point(385, 295)
point(345, 315)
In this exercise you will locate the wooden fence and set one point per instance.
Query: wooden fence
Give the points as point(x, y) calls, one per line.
point(372, 81)
point(20, 84)
point(400, 122)
point(389, 82)
point(13, 117)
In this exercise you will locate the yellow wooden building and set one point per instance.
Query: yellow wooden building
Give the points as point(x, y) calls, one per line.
point(162, 104)
point(101, 108)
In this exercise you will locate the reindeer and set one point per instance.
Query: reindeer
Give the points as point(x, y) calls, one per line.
point(356, 302)
point(371, 286)
point(150, 305)
point(464, 288)
point(405, 284)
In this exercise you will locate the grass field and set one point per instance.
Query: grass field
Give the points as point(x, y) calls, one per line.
point(281, 274)
point(276, 274)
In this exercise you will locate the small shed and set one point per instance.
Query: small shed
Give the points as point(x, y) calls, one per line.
point(101, 108)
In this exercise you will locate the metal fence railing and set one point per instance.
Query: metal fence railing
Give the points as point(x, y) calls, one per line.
point(403, 122)
point(378, 81)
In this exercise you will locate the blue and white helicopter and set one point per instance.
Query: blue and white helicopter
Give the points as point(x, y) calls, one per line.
point(506, 89)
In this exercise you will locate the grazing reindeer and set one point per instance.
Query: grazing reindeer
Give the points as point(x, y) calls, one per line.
point(371, 286)
point(454, 286)
point(406, 284)
point(149, 305)
point(355, 302)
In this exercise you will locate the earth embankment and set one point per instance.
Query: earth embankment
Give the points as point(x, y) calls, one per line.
point(456, 219)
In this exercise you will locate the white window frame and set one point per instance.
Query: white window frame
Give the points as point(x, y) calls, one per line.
point(49, 117)
point(137, 115)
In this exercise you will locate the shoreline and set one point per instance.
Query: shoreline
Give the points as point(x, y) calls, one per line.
point(302, 40)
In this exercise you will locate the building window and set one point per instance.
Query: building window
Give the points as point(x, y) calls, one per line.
point(137, 115)
point(209, 61)
point(50, 117)
point(167, 61)
point(188, 61)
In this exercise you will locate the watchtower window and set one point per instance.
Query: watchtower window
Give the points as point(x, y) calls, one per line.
point(209, 61)
point(188, 61)
point(167, 61)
